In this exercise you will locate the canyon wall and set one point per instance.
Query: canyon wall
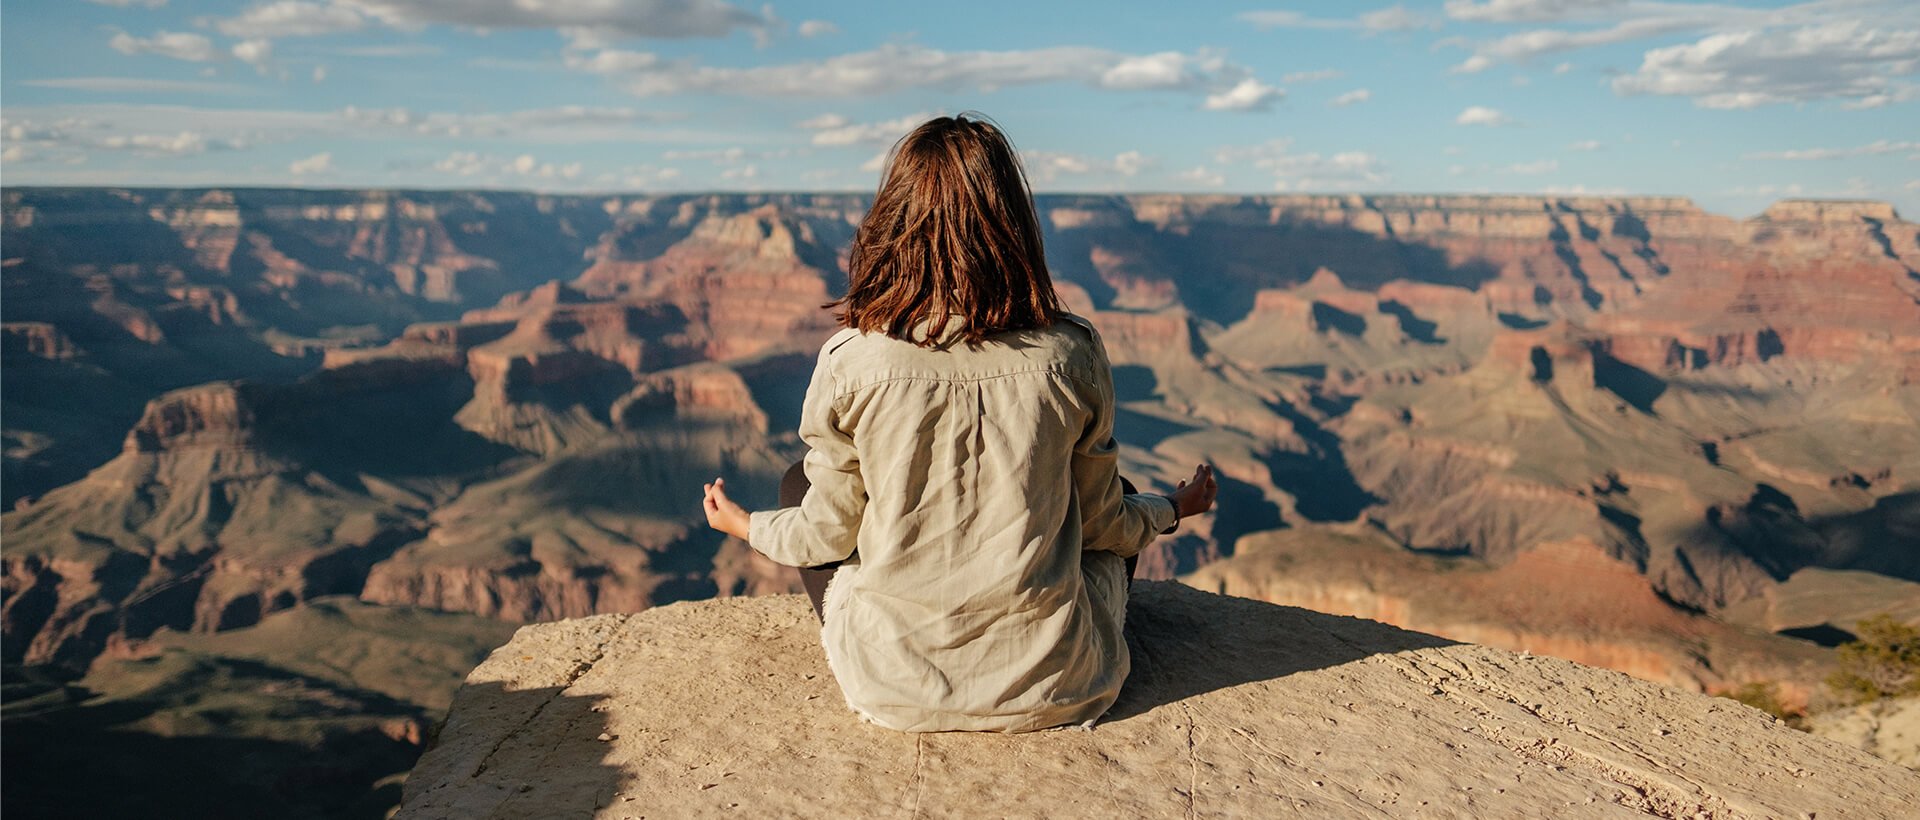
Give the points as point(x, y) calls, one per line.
point(225, 402)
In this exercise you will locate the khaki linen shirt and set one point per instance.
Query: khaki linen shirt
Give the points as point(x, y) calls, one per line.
point(973, 493)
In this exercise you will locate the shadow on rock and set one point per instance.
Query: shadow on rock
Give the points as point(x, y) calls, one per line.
point(1186, 642)
point(527, 771)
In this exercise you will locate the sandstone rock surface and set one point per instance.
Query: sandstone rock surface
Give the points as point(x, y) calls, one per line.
point(1234, 708)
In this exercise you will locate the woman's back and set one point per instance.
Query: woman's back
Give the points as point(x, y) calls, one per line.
point(961, 470)
point(972, 603)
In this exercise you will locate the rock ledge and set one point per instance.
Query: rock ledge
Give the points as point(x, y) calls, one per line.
point(1235, 707)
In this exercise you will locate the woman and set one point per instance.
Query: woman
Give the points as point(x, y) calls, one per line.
point(962, 470)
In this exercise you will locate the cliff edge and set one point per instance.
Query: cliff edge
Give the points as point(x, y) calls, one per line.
point(1235, 707)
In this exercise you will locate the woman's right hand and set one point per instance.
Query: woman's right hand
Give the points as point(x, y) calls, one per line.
point(1195, 496)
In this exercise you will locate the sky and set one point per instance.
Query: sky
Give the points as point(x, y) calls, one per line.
point(1735, 105)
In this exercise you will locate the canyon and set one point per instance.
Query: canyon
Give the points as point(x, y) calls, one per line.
point(1620, 430)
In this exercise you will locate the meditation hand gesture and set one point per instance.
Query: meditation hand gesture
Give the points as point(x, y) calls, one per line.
point(722, 513)
point(1195, 496)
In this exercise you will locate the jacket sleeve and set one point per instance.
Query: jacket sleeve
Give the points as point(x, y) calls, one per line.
point(1111, 519)
point(823, 528)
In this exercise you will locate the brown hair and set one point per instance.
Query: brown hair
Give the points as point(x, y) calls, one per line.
point(952, 234)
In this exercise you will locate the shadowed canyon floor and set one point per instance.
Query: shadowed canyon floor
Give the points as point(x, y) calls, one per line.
point(1235, 708)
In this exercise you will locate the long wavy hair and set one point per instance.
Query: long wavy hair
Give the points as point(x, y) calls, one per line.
point(952, 237)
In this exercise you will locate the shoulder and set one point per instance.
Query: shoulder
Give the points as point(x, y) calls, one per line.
point(1082, 325)
point(837, 341)
point(831, 353)
point(1081, 337)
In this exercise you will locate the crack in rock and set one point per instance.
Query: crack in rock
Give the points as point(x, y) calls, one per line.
point(579, 670)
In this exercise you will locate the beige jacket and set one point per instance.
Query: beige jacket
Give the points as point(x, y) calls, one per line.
point(977, 493)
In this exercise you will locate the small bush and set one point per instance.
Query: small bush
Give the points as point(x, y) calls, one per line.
point(1765, 696)
point(1883, 663)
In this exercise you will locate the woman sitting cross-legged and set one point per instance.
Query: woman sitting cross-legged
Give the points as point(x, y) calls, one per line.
point(961, 488)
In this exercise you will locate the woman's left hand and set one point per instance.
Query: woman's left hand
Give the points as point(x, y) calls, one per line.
point(722, 513)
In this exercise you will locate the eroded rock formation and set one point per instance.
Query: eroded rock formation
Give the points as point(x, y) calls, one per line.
point(1698, 407)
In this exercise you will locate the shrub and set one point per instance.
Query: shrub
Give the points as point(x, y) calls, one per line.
point(1765, 696)
point(1883, 663)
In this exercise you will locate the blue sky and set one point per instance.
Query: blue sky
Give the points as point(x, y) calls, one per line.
point(1734, 105)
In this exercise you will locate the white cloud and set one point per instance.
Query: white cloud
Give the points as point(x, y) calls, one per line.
point(1312, 76)
point(817, 28)
point(1392, 18)
point(179, 45)
point(641, 176)
point(1882, 99)
point(388, 50)
point(720, 156)
point(60, 133)
point(1356, 96)
point(1482, 115)
point(320, 163)
point(865, 133)
point(291, 18)
point(898, 67)
point(822, 121)
point(1291, 19)
point(255, 53)
point(1201, 175)
point(492, 168)
point(1845, 60)
point(1248, 95)
point(1527, 45)
point(1474, 64)
point(563, 124)
point(1166, 69)
point(1344, 171)
point(180, 144)
point(1852, 51)
point(742, 172)
point(598, 20)
point(732, 156)
point(1048, 166)
point(116, 85)
point(462, 163)
point(319, 74)
point(1874, 148)
point(615, 61)
point(1585, 145)
point(1515, 11)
